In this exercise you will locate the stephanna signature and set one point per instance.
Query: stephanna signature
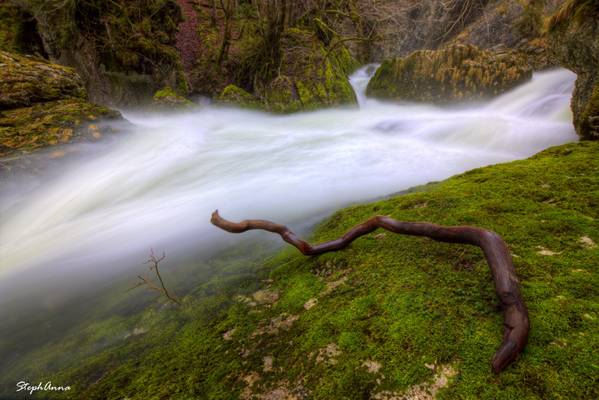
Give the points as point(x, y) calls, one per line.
point(48, 386)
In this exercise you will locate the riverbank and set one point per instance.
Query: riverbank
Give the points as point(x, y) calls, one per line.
point(389, 316)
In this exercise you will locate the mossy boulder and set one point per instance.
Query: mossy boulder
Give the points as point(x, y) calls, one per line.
point(27, 80)
point(50, 123)
point(167, 98)
point(574, 41)
point(310, 76)
point(452, 74)
point(234, 95)
point(43, 104)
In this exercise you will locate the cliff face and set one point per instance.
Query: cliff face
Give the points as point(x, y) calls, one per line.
point(123, 50)
point(574, 38)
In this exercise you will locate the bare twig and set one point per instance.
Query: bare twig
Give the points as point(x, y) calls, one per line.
point(159, 286)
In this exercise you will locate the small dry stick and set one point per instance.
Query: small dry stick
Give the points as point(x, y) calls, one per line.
point(515, 314)
point(155, 261)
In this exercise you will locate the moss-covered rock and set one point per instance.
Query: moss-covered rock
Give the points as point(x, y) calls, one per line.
point(43, 104)
point(167, 98)
point(574, 40)
point(455, 73)
point(27, 80)
point(234, 95)
point(310, 76)
point(50, 123)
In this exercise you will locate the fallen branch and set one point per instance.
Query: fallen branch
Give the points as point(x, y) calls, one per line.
point(515, 314)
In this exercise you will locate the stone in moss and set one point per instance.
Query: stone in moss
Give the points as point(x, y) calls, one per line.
point(455, 73)
point(167, 98)
point(234, 95)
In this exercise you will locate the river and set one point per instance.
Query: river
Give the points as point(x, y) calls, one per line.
point(97, 216)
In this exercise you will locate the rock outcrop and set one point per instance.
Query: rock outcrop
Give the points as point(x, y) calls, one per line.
point(123, 50)
point(168, 99)
point(574, 38)
point(310, 76)
point(43, 104)
point(457, 73)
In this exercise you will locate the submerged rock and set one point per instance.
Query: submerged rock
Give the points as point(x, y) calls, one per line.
point(574, 40)
point(452, 74)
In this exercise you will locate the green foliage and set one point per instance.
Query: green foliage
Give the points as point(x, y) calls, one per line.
point(409, 304)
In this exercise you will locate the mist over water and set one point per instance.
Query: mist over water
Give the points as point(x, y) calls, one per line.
point(157, 186)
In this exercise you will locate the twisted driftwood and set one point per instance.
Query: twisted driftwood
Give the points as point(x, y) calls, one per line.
point(515, 314)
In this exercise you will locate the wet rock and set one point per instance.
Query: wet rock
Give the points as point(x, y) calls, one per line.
point(457, 73)
point(574, 41)
point(168, 99)
point(26, 80)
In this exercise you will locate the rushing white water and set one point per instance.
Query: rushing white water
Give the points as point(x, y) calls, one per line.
point(158, 185)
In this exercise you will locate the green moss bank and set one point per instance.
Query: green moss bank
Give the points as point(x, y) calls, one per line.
point(455, 73)
point(391, 315)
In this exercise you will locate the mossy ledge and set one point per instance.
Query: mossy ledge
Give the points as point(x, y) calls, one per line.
point(452, 74)
point(389, 316)
point(43, 104)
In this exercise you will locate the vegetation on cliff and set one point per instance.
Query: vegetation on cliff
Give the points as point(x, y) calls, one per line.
point(124, 50)
point(274, 52)
point(389, 316)
point(452, 74)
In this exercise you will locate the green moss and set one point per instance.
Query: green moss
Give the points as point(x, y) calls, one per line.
point(25, 80)
point(452, 74)
point(311, 76)
point(167, 98)
point(235, 95)
point(50, 123)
